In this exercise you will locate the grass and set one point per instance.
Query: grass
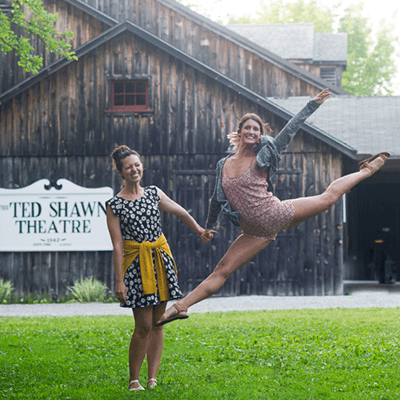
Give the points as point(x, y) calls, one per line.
point(291, 354)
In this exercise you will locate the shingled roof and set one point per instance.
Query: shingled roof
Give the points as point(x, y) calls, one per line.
point(229, 34)
point(368, 124)
point(296, 41)
point(208, 71)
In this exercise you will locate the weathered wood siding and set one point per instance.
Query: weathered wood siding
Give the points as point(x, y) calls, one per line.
point(217, 50)
point(84, 26)
point(212, 48)
point(316, 70)
point(59, 129)
point(303, 261)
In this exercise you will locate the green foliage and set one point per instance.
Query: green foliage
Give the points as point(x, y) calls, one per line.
point(45, 297)
point(267, 355)
point(36, 298)
point(281, 12)
point(370, 62)
point(88, 290)
point(5, 291)
point(41, 24)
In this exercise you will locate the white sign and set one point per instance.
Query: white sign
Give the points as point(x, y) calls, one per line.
point(67, 217)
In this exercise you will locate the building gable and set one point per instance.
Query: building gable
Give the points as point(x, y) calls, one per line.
point(84, 25)
point(323, 54)
point(188, 60)
point(247, 63)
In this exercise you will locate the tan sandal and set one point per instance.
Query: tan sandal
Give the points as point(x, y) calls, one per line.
point(365, 163)
point(180, 315)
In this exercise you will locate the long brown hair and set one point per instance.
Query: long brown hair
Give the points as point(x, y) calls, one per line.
point(234, 137)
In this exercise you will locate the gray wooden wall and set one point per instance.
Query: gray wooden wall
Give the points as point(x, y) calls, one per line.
point(59, 128)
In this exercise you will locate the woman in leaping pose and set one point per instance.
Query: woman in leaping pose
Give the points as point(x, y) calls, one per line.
point(241, 192)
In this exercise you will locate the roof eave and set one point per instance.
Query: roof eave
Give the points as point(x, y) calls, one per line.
point(61, 63)
point(232, 36)
point(94, 12)
point(189, 60)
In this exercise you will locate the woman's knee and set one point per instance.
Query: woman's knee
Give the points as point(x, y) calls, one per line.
point(142, 330)
point(221, 271)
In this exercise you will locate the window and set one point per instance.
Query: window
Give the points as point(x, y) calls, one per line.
point(329, 74)
point(129, 95)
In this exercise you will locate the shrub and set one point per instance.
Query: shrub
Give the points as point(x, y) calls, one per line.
point(5, 291)
point(88, 290)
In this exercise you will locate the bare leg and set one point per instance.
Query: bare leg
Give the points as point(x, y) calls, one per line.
point(308, 207)
point(155, 344)
point(139, 342)
point(242, 250)
point(245, 248)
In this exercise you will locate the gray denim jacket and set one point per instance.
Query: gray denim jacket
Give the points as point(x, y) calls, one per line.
point(268, 153)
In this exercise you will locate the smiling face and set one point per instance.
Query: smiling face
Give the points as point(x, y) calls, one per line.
point(250, 132)
point(132, 169)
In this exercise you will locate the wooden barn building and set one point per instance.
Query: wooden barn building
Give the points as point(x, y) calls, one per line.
point(170, 84)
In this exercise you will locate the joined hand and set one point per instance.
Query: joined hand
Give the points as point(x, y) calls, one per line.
point(207, 235)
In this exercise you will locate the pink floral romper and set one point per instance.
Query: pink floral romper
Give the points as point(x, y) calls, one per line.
point(262, 215)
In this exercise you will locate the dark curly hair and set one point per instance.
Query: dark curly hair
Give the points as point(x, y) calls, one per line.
point(120, 153)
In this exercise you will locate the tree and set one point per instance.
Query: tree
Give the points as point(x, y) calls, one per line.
point(299, 12)
point(30, 17)
point(370, 63)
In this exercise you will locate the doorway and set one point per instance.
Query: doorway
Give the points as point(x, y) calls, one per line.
point(373, 230)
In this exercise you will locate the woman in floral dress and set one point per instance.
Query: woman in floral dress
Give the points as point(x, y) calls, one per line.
point(145, 272)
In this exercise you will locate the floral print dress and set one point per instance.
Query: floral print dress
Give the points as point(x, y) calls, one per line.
point(140, 222)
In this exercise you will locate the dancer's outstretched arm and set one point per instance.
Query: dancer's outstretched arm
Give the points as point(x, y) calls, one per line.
point(168, 205)
point(287, 133)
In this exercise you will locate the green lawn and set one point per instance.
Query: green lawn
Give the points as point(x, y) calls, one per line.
point(294, 355)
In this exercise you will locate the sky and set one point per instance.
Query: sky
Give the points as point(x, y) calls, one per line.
point(375, 11)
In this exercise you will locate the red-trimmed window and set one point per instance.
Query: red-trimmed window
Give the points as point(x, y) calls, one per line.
point(129, 95)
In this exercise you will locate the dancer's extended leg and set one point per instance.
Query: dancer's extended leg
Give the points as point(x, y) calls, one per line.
point(308, 207)
point(242, 250)
point(245, 248)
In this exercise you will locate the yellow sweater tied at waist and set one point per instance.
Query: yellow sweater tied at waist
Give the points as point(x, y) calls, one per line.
point(143, 250)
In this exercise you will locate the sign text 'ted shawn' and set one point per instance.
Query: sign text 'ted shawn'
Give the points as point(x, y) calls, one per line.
point(71, 218)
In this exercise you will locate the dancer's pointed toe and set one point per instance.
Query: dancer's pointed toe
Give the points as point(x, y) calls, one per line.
point(374, 163)
point(173, 313)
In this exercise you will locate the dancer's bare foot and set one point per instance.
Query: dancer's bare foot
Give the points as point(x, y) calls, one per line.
point(173, 313)
point(374, 163)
